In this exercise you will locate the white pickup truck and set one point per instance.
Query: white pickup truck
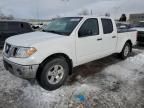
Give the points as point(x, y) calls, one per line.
point(67, 42)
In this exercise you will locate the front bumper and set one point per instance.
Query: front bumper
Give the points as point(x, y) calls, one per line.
point(22, 71)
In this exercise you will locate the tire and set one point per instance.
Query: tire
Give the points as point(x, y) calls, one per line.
point(54, 74)
point(126, 51)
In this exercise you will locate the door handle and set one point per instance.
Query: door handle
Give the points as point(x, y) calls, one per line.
point(114, 37)
point(99, 39)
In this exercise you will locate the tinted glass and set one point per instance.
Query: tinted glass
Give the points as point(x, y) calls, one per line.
point(3, 26)
point(107, 26)
point(89, 28)
point(25, 27)
point(13, 26)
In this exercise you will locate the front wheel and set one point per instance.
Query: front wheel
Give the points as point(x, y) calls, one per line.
point(54, 74)
point(126, 51)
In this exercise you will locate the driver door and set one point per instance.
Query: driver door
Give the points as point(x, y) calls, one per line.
point(89, 41)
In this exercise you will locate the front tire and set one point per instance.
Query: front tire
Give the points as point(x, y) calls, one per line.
point(54, 74)
point(126, 51)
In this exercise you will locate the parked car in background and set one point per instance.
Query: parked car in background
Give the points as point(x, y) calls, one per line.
point(11, 28)
point(66, 42)
point(37, 26)
point(140, 28)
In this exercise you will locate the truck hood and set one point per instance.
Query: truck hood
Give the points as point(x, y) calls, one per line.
point(29, 39)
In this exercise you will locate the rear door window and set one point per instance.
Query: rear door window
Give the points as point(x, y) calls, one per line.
point(107, 25)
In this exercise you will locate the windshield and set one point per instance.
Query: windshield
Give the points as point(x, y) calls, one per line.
point(63, 26)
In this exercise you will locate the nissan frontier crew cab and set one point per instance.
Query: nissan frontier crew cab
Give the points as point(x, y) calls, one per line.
point(67, 42)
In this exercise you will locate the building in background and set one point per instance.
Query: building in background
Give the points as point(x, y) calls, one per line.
point(136, 18)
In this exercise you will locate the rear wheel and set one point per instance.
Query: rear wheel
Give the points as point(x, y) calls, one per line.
point(54, 74)
point(126, 51)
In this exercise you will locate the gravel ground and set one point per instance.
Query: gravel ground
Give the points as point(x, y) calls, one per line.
point(105, 83)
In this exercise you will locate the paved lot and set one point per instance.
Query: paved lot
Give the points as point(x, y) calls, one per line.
point(105, 83)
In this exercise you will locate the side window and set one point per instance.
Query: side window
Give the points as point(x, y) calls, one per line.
point(3, 26)
point(27, 27)
point(107, 26)
point(13, 26)
point(89, 28)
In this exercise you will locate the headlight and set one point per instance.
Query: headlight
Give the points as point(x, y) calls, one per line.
point(24, 52)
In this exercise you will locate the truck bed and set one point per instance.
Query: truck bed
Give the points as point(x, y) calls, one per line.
point(125, 30)
point(126, 34)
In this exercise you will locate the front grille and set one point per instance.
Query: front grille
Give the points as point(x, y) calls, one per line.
point(9, 50)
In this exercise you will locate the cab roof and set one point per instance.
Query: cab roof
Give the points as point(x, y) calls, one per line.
point(90, 16)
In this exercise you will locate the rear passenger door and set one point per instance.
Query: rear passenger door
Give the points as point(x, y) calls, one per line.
point(109, 36)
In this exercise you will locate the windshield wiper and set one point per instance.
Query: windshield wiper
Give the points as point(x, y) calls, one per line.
point(51, 31)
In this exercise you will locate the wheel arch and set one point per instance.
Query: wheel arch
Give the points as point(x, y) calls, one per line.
point(66, 57)
point(130, 42)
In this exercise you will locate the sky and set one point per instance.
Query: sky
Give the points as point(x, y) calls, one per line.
point(43, 9)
